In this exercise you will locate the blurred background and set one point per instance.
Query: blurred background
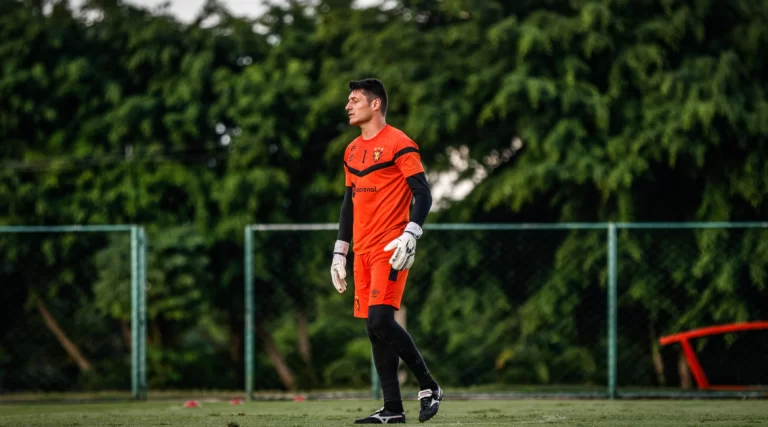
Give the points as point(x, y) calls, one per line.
point(196, 119)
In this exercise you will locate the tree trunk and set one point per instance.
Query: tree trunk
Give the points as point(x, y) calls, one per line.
point(125, 328)
point(235, 348)
point(277, 359)
point(65, 342)
point(305, 348)
point(658, 362)
point(685, 373)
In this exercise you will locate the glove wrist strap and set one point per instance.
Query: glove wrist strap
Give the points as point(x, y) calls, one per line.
point(414, 229)
point(341, 247)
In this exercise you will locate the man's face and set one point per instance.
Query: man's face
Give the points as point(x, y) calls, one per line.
point(358, 108)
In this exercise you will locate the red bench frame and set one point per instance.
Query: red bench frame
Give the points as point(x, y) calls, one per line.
point(690, 355)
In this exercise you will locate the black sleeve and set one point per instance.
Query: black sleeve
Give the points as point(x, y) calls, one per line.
point(422, 197)
point(345, 218)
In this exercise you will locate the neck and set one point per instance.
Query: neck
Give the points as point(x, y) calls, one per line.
point(373, 127)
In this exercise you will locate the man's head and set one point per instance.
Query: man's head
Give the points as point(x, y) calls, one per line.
point(366, 98)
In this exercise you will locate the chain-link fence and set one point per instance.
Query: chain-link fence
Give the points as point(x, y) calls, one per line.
point(494, 310)
point(71, 317)
point(497, 310)
point(514, 309)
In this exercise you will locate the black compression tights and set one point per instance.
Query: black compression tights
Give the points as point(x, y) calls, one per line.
point(390, 343)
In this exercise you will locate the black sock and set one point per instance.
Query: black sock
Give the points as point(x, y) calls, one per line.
point(386, 360)
point(381, 320)
point(392, 400)
point(424, 377)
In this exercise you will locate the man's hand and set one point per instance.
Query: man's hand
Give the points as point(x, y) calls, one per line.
point(339, 265)
point(405, 247)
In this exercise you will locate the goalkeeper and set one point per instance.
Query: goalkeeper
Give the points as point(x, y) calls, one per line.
point(383, 174)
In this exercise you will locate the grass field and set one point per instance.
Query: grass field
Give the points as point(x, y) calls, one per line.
point(338, 413)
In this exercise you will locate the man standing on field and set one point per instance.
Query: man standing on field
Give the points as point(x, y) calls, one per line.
point(383, 174)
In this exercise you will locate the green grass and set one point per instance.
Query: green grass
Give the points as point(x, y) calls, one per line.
point(339, 413)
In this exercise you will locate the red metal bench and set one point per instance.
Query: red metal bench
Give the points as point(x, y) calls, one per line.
point(690, 355)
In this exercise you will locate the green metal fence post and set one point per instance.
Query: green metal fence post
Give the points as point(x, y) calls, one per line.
point(249, 313)
point(612, 313)
point(142, 314)
point(135, 312)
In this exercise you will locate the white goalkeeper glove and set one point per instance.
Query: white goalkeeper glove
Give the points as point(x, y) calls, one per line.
point(339, 265)
point(405, 247)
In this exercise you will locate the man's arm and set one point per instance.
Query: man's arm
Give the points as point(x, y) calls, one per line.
point(341, 248)
point(422, 197)
point(408, 161)
point(345, 217)
point(405, 245)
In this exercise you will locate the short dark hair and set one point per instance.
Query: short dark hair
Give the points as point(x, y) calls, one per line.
point(372, 88)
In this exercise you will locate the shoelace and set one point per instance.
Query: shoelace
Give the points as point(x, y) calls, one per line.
point(425, 403)
point(424, 393)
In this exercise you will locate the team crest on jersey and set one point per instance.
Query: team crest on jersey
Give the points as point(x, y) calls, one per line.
point(377, 154)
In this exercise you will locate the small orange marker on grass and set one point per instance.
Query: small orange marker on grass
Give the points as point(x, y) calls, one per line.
point(191, 404)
